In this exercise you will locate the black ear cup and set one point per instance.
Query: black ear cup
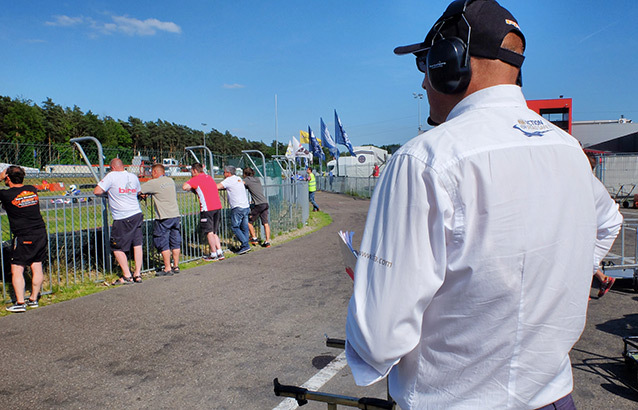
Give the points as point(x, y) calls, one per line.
point(448, 66)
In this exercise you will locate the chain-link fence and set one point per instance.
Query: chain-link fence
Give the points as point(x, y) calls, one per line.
point(54, 168)
point(78, 223)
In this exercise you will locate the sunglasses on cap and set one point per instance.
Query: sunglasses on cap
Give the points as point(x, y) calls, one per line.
point(421, 62)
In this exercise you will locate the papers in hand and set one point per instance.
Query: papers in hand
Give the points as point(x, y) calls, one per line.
point(349, 254)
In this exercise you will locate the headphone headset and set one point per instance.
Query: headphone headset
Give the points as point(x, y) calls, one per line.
point(448, 60)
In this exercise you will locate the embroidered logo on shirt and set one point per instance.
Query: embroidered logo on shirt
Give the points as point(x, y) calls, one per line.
point(533, 128)
point(25, 198)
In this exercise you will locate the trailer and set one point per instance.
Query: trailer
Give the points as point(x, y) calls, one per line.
point(625, 195)
point(361, 165)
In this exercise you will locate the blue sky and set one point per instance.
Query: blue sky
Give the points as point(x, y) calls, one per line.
point(222, 62)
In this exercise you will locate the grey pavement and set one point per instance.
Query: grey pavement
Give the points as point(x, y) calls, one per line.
point(601, 378)
point(215, 336)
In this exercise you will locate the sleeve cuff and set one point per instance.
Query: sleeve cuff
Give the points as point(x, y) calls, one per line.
point(363, 373)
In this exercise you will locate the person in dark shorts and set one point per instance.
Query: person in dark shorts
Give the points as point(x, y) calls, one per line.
point(122, 188)
point(258, 207)
point(210, 209)
point(29, 236)
point(167, 236)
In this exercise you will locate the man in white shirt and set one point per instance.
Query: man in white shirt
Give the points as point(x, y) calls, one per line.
point(474, 272)
point(122, 188)
point(240, 207)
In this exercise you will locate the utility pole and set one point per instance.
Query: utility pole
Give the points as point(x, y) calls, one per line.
point(204, 153)
point(204, 125)
point(276, 129)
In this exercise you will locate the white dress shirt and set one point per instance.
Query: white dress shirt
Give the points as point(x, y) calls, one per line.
point(475, 266)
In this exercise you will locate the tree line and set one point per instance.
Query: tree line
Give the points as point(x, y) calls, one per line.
point(22, 121)
point(35, 135)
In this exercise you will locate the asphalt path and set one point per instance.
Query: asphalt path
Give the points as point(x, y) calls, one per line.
point(215, 336)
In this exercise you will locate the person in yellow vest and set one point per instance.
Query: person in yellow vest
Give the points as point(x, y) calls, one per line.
point(312, 188)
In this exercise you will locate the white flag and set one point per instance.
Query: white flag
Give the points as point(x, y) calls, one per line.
point(290, 154)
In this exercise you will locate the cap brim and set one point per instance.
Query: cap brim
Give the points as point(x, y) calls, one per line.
point(412, 48)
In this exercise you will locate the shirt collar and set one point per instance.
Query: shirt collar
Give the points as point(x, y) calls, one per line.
point(504, 95)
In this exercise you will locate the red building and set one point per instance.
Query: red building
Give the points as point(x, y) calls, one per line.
point(557, 111)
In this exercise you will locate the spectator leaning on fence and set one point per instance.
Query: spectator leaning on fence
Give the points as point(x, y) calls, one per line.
point(473, 273)
point(210, 209)
point(122, 188)
point(239, 206)
point(167, 235)
point(258, 207)
point(29, 236)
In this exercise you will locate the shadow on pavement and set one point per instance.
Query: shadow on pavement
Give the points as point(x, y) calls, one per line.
point(616, 377)
point(624, 326)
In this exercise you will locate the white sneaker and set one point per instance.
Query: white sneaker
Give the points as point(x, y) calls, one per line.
point(17, 308)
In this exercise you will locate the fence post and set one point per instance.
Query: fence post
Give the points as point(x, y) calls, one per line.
point(105, 215)
point(190, 149)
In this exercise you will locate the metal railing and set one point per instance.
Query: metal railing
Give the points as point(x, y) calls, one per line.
point(356, 186)
point(622, 261)
point(77, 251)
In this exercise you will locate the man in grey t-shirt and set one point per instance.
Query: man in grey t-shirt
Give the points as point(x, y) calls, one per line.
point(167, 235)
point(258, 207)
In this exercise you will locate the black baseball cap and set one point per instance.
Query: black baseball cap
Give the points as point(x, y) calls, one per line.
point(489, 23)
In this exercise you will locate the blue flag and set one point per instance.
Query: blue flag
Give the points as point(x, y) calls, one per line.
point(341, 137)
point(314, 146)
point(327, 140)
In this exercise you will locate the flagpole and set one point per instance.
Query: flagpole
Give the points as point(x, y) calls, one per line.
point(336, 146)
point(276, 129)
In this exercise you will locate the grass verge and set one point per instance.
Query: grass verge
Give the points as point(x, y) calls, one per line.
point(316, 221)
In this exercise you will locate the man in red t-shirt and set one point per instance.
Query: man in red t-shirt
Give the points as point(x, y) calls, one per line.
point(210, 208)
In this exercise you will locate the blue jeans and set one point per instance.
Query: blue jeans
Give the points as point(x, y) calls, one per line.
point(239, 225)
point(311, 196)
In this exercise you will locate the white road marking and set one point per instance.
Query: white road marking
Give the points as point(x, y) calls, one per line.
point(317, 381)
